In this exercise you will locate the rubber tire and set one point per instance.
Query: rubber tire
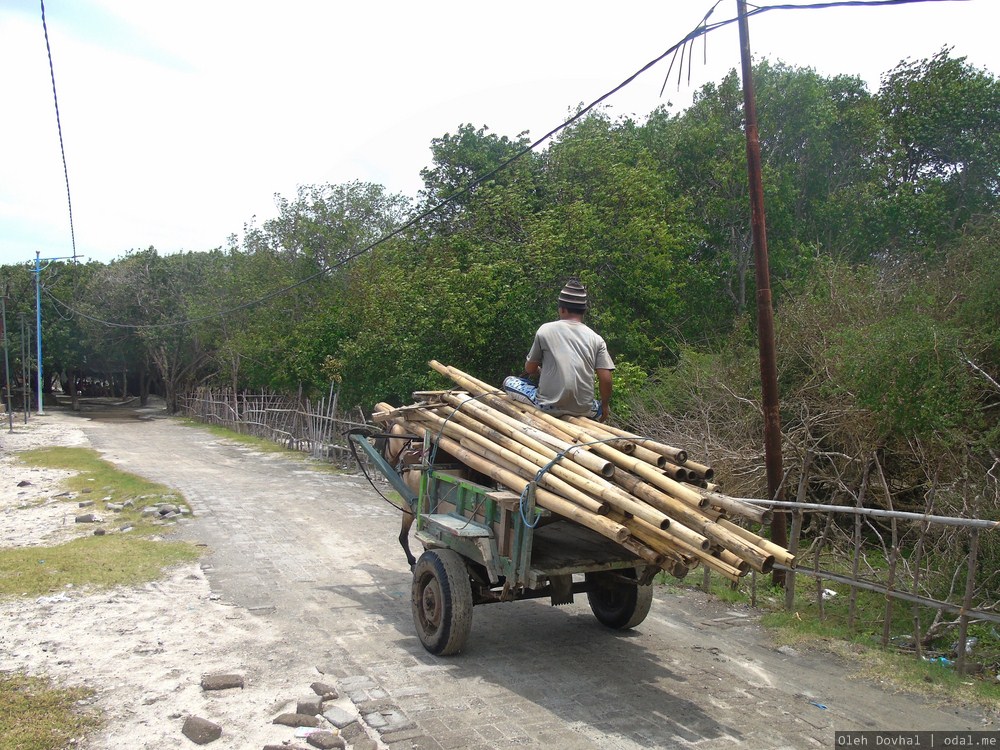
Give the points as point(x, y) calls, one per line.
point(441, 599)
point(618, 605)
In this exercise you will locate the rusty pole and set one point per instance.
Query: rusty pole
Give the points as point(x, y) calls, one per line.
point(765, 313)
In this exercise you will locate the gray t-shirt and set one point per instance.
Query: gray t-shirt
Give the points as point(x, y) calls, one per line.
point(569, 352)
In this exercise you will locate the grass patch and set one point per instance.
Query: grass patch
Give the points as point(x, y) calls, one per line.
point(861, 646)
point(96, 479)
point(900, 670)
point(106, 561)
point(34, 715)
point(100, 561)
point(259, 443)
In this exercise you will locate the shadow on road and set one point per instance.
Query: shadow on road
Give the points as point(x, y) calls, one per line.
point(113, 409)
point(563, 661)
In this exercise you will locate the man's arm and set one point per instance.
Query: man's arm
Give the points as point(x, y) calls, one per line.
point(530, 368)
point(604, 386)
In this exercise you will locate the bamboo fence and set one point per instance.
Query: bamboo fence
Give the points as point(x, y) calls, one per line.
point(317, 427)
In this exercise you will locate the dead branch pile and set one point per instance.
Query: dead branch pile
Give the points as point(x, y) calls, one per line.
point(647, 496)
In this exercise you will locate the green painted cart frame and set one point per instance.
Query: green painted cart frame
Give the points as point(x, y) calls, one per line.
point(484, 545)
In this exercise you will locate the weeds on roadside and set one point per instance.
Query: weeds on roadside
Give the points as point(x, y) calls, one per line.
point(34, 715)
point(98, 561)
point(260, 443)
point(861, 644)
point(96, 479)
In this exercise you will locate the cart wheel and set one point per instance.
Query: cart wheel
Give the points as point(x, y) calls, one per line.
point(442, 601)
point(618, 604)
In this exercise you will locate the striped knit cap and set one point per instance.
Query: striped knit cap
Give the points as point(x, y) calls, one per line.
point(573, 294)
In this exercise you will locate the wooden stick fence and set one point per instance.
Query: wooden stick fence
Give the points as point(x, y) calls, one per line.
point(314, 427)
point(893, 588)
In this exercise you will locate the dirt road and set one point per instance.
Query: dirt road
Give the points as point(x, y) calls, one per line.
point(315, 556)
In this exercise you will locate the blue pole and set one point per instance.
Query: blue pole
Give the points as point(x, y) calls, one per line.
point(38, 323)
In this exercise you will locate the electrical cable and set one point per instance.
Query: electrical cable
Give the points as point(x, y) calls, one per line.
point(413, 221)
point(62, 147)
point(702, 29)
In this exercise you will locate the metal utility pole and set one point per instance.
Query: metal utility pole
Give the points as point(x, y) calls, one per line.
point(765, 312)
point(38, 314)
point(38, 324)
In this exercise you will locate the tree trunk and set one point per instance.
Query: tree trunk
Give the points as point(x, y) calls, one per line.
point(74, 394)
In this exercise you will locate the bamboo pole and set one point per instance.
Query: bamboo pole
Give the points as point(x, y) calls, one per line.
point(654, 539)
point(600, 430)
point(499, 401)
point(781, 555)
point(676, 472)
point(675, 531)
point(535, 452)
point(548, 500)
point(699, 470)
point(731, 572)
point(516, 465)
point(675, 455)
point(644, 552)
point(597, 430)
point(641, 468)
point(689, 556)
point(624, 503)
point(523, 433)
point(569, 485)
point(644, 496)
point(736, 507)
point(583, 479)
point(700, 523)
point(759, 559)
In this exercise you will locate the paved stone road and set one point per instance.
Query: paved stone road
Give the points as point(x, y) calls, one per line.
point(316, 553)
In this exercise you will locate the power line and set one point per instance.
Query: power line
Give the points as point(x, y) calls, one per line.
point(702, 29)
point(62, 148)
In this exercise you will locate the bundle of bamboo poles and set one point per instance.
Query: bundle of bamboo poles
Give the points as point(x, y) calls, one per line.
point(647, 496)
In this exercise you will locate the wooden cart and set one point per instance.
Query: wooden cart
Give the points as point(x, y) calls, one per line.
point(483, 545)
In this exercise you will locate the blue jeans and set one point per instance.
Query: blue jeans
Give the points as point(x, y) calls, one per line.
point(523, 390)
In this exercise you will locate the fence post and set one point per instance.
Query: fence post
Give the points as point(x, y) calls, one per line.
point(970, 586)
point(852, 608)
point(893, 559)
point(793, 542)
point(819, 581)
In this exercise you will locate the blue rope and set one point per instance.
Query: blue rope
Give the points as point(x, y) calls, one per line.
point(541, 473)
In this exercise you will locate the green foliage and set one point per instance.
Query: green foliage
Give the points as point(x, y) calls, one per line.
point(907, 371)
point(652, 215)
point(628, 381)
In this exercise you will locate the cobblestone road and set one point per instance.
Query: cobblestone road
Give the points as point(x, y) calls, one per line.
point(316, 554)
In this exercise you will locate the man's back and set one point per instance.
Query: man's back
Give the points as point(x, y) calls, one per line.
point(569, 353)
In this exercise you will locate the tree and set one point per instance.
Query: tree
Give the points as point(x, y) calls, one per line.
point(941, 149)
point(326, 224)
point(163, 300)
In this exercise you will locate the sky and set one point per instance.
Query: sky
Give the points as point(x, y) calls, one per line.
point(182, 119)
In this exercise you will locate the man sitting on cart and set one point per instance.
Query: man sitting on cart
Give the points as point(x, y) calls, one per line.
point(566, 354)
